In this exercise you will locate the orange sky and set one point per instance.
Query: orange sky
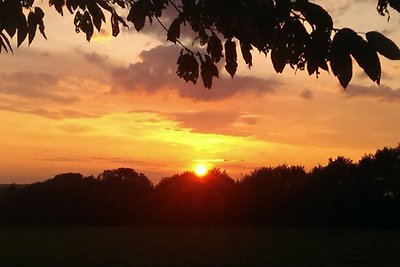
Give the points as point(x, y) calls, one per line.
point(70, 105)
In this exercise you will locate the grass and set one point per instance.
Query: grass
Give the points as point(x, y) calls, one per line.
point(198, 246)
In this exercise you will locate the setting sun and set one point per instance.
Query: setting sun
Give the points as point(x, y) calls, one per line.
point(200, 170)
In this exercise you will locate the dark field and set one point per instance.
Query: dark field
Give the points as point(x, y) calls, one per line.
point(190, 246)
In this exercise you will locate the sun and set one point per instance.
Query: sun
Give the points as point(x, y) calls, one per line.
point(200, 170)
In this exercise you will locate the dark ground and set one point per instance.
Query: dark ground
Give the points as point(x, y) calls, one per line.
point(191, 246)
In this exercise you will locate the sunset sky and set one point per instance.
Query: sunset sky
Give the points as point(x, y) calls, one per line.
point(69, 105)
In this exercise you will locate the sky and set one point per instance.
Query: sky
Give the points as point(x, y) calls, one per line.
point(67, 105)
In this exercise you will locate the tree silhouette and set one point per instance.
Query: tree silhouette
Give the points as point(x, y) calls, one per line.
point(342, 193)
point(295, 32)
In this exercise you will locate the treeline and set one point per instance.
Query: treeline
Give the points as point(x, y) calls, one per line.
point(342, 193)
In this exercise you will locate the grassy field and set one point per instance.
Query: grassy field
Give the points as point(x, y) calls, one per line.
point(195, 246)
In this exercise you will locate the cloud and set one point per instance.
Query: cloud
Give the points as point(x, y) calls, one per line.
point(306, 94)
point(89, 159)
point(55, 115)
point(34, 85)
point(228, 122)
point(94, 58)
point(381, 92)
point(156, 71)
point(384, 75)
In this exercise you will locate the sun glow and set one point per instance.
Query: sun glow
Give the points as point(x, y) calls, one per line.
point(200, 170)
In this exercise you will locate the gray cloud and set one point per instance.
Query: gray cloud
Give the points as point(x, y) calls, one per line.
point(214, 121)
point(157, 69)
point(306, 94)
point(55, 115)
point(381, 92)
point(88, 159)
point(206, 121)
point(33, 85)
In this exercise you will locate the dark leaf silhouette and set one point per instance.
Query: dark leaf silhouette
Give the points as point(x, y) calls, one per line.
point(174, 31)
point(280, 53)
point(73, 5)
point(208, 71)
point(230, 57)
point(383, 45)
point(114, 24)
point(3, 42)
point(86, 25)
point(367, 58)
point(138, 13)
point(22, 29)
point(106, 5)
point(246, 48)
point(58, 4)
point(121, 3)
point(340, 59)
point(115, 21)
point(316, 53)
point(214, 48)
point(97, 15)
point(188, 67)
point(40, 15)
point(316, 16)
point(269, 26)
point(32, 26)
point(395, 4)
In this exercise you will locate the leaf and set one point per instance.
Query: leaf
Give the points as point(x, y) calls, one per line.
point(383, 45)
point(11, 29)
point(280, 53)
point(72, 5)
point(97, 15)
point(203, 37)
point(295, 37)
point(78, 21)
point(316, 16)
point(39, 13)
point(32, 26)
point(2, 42)
point(367, 58)
point(340, 59)
point(230, 57)
point(138, 13)
point(208, 71)
point(283, 8)
point(214, 48)
point(174, 31)
point(58, 4)
point(395, 4)
point(158, 6)
point(245, 48)
point(105, 5)
point(6, 41)
point(121, 3)
point(114, 24)
point(27, 3)
point(41, 29)
point(316, 53)
point(22, 29)
point(188, 67)
point(39, 17)
point(120, 19)
point(87, 25)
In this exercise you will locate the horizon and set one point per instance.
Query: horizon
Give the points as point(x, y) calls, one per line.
point(203, 172)
point(69, 105)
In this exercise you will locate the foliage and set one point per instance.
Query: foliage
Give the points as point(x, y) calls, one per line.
point(342, 193)
point(297, 33)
